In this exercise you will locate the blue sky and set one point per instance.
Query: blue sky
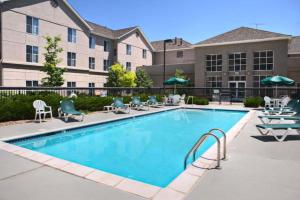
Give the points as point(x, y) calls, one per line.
point(193, 20)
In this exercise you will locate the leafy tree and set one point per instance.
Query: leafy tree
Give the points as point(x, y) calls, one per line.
point(128, 79)
point(143, 79)
point(55, 74)
point(179, 73)
point(115, 75)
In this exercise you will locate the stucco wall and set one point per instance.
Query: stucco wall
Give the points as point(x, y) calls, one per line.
point(294, 67)
point(171, 57)
point(280, 49)
point(16, 77)
point(137, 45)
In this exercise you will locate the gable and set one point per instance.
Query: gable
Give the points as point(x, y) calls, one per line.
point(242, 34)
point(49, 10)
point(137, 37)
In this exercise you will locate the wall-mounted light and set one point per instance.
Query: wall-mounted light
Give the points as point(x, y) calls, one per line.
point(54, 3)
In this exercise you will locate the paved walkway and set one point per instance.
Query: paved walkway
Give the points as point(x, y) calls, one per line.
point(258, 168)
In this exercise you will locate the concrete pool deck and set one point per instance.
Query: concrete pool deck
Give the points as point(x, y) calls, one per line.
point(24, 179)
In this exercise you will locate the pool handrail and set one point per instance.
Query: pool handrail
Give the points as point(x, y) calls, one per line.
point(224, 141)
point(201, 141)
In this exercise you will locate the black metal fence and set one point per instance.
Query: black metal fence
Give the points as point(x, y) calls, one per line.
point(237, 94)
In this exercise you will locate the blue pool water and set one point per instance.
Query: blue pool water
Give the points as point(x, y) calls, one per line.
point(150, 148)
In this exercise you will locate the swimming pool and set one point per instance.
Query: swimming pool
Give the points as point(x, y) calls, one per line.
point(148, 148)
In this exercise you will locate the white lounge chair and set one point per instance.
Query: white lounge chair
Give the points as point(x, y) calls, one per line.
point(41, 109)
point(276, 130)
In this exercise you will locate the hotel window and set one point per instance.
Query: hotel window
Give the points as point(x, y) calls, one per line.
point(128, 49)
point(32, 83)
point(257, 80)
point(71, 59)
point(71, 35)
point(263, 60)
point(71, 84)
point(179, 54)
point(106, 65)
point(128, 66)
point(144, 53)
point(91, 91)
point(92, 42)
point(237, 61)
point(91, 63)
point(214, 81)
point(214, 63)
point(32, 25)
point(237, 78)
point(106, 45)
point(32, 54)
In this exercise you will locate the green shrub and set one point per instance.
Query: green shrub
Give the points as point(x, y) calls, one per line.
point(198, 101)
point(253, 102)
point(92, 103)
point(19, 107)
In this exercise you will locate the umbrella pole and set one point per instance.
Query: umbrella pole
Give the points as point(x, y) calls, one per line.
point(174, 89)
point(276, 92)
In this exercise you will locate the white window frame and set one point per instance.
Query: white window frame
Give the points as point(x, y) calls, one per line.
point(128, 66)
point(72, 35)
point(217, 81)
point(237, 66)
point(106, 64)
point(92, 42)
point(32, 25)
point(144, 53)
point(128, 49)
point(71, 61)
point(33, 83)
point(266, 60)
point(33, 54)
point(259, 80)
point(92, 64)
point(211, 60)
point(179, 54)
point(106, 46)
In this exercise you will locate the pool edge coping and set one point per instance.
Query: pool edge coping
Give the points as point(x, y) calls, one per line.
point(178, 188)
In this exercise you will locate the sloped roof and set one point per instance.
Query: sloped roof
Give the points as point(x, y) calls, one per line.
point(159, 45)
point(294, 46)
point(110, 33)
point(101, 30)
point(241, 34)
point(120, 32)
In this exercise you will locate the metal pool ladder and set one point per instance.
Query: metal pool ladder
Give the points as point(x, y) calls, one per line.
point(201, 141)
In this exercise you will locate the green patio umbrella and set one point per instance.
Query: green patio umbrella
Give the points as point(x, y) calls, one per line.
point(277, 81)
point(176, 81)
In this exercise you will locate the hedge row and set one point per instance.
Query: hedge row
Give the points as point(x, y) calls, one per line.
point(198, 101)
point(253, 102)
point(19, 107)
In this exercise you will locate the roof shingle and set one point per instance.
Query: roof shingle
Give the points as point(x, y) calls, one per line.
point(109, 33)
point(159, 45)
point(241, 34)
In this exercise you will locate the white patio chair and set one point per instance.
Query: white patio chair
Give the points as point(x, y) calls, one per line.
point(267, 102)
point(182, 99)
point(41, 109)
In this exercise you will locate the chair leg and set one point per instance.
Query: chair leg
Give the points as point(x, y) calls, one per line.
point(282, 137)
point(263, 132)
point(35, 116)
point(40, 117)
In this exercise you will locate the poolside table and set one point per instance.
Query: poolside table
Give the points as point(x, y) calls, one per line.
point(108, 108)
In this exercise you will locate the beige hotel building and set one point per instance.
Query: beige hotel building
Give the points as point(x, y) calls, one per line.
point(237, 59)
